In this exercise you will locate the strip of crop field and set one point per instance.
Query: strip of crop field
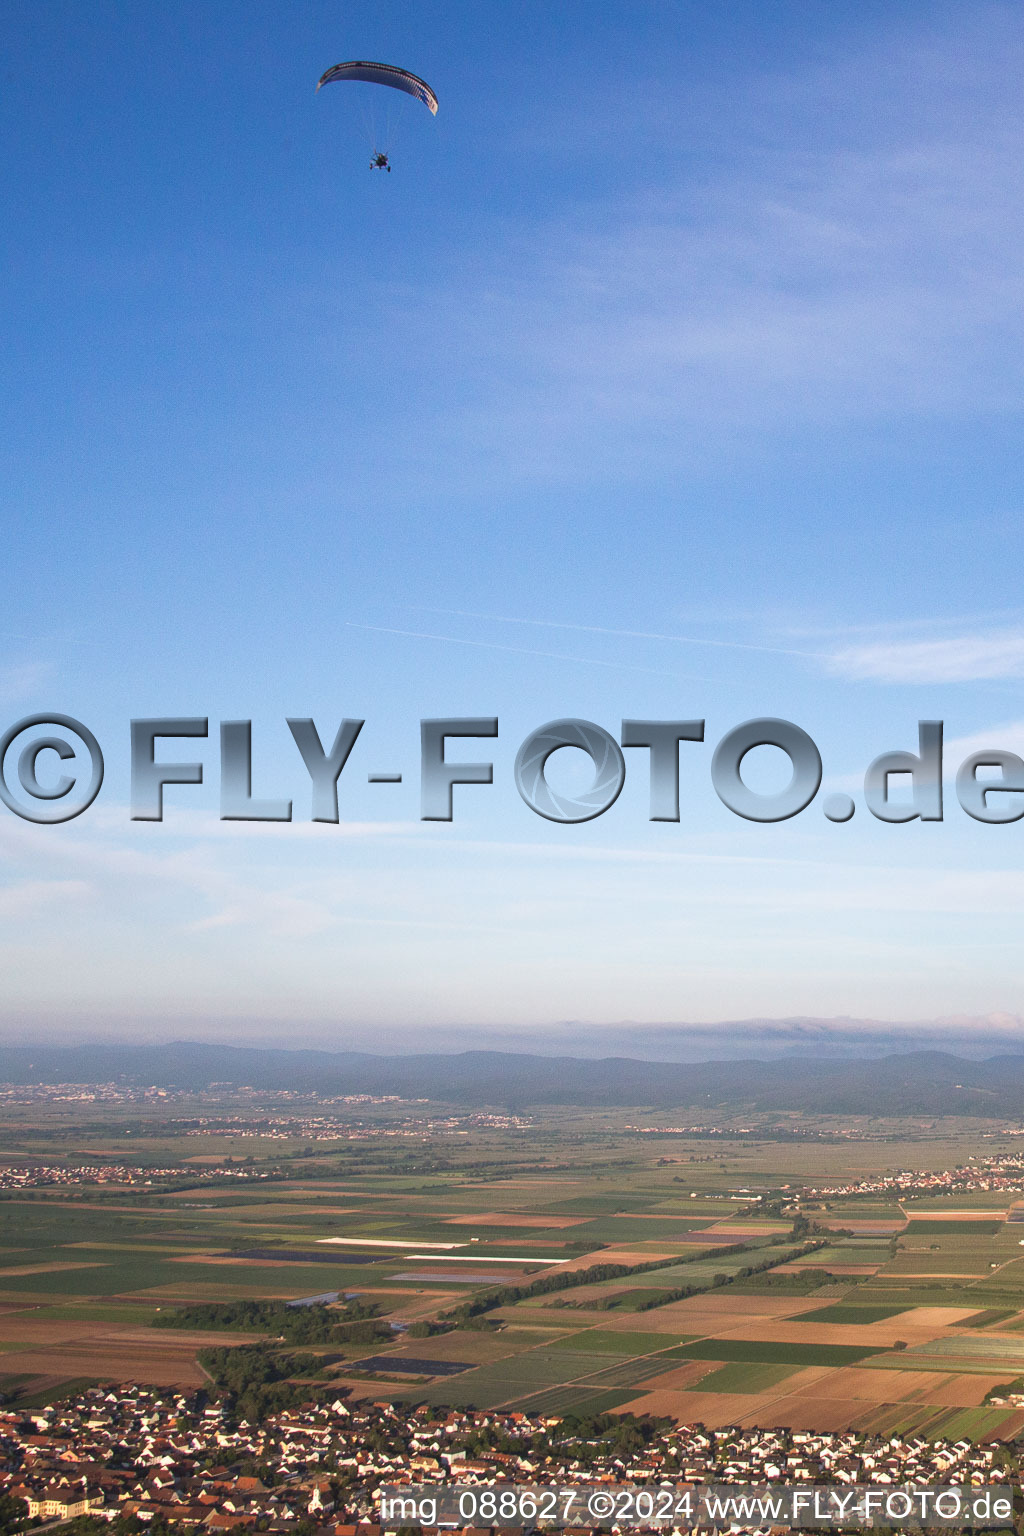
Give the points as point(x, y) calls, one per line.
point(773, 1351)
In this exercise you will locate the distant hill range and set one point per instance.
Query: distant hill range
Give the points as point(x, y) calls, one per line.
point(914, 1082)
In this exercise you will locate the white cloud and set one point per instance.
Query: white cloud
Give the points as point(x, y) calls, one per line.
point(955, 659)
point(1008, 738)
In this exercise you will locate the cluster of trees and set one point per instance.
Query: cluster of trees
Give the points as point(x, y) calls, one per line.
point(809, 1279)
point(367, 1332)
point(1004, 1388)
point(580, 1437)
point(318, 1324)
point(129, 1525)
point(604, 1434)
point(803, 1226)
point(13, 1514)
point(259, 1376)
point(427, 1329)
point(256, 1375)
point(236, 1367)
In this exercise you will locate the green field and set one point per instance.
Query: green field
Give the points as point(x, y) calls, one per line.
point(739, 1377)
point(573, 1400)
point(631, 1372)
point(848, 1253)
point(921, 1226)
point(594, 1341)
point(989, 1318)
point(840, 1312)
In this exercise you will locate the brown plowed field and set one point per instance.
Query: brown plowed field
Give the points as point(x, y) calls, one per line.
point(875, 1335)
point(106, 1352)
point(835, 1269)
point(622, 1256)
point(858, 1384)
point(746, 1409)
point(813, 1413)
point(868, 1386)
point(928, 1274)
point(937, 1317)
point(818, 1397)
point(1009, 1429)
point(741, 1229)
point(681, 1376)
point(104, 1362)
point(895, 1224)
point(964, 1391)
point(699, 1314)
point(996, 1214)
point(29, 1329)
point(724, 1305)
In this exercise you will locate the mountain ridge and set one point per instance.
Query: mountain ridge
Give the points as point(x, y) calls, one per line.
point(927, 1082)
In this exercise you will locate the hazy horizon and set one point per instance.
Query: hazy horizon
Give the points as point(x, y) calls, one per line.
point(733, 1040)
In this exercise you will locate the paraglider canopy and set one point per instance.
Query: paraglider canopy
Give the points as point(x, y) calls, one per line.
point(381, 74)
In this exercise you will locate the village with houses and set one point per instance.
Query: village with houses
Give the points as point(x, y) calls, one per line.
point(131, 1454)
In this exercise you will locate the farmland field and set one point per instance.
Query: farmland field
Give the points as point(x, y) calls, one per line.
point(840, 1313)
point(555, 1261)
point(743, 1378)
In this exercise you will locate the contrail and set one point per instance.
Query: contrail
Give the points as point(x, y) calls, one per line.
point(629, 634)
point(520, 650)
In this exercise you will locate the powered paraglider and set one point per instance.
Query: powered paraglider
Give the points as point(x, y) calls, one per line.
point(380, 74)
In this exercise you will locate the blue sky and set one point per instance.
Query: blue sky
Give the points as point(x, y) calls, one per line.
point(675, 371)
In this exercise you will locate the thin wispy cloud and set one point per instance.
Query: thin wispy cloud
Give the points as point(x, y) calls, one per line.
point(949, 659)
point(956, 659)
point(806, 282)
point(621, 634)
point(520, 650)
point(1006, 738)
